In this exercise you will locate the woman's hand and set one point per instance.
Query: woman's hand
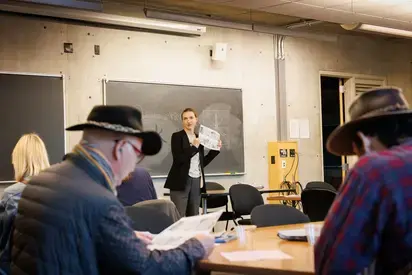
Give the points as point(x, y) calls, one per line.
point(219, 144)
point(196, 142)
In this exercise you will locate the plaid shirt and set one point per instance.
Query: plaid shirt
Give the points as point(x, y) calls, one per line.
point(370, 223)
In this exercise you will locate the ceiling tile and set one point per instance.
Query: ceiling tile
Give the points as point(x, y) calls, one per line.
point(402, 9)
point(372, 7)
point(214, 1)
point(403, 17)
point(255, 4)
point(337, 16)
point(325, 3)
point(376, 8)
point(302, 10)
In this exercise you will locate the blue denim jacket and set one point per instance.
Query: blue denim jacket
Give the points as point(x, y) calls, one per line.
point(8, 211)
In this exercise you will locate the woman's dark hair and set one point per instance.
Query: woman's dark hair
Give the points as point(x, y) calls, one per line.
point(388, 130)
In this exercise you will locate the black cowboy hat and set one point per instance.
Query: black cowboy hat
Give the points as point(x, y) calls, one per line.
point(370, 106)
point(122, 119)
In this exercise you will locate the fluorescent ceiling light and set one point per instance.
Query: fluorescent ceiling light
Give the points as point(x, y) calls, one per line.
point(108, 19)
point(156, 14)
point(95, 5)
point(378, 29)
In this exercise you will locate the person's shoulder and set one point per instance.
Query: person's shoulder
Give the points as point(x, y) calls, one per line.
point(389, 158)
point(178, 133)
point(141, 171)
point(16, 188)
point(71, 180)
point(377, 166)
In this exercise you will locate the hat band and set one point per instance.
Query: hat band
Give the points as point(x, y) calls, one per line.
point(387, 109)
point(114, 127)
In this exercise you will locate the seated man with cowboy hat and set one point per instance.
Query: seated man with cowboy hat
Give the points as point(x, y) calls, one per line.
point(369, 226)
point(69, 220)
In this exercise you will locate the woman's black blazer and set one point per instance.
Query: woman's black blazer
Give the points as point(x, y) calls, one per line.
point(182, 152)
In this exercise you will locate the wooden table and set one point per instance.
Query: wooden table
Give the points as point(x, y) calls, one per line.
point(292, 200)
point(284, 198)
point(263, 239)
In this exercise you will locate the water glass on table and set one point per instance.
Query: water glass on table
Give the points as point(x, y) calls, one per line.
point(312, 231)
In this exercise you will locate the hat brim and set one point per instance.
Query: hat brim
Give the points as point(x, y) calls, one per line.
point(152, 142)
point(340, 140)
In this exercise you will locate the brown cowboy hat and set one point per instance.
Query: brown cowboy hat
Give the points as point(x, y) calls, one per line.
point(375, 104)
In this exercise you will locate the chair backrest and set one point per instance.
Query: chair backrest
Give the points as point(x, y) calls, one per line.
point(210, 185)
point(320, 185)
point(215, 202)
point(153, 216)
point(277, 214)
point(316, 202)
point(244, 198)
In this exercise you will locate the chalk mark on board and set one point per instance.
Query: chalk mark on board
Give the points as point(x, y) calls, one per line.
point(160, 132)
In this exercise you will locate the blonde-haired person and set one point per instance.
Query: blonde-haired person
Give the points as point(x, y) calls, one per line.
point(29, 158)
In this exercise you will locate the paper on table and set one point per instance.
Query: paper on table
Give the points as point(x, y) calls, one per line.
point(294, 128)
point(255, 255)
point(209, 138)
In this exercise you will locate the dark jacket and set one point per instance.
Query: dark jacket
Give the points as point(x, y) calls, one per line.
point(8, 212)
point(182, 152)
point(69, 223)
point(137, 188)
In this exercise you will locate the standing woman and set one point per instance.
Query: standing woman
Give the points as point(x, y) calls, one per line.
point(189, 161)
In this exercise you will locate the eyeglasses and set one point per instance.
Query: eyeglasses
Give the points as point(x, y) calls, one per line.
point(139, 154)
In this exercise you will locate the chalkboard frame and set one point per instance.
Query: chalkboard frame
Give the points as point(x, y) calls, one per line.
point(104, 87)
point(63, 78)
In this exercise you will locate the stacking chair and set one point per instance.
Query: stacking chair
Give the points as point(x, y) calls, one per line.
point(219, 201)
point(153, 215)
point(244, 198)
point(317, 198)
point(276, 214)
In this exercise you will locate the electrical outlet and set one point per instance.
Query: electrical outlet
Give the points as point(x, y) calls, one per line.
point(283, 164)
point(292, 153)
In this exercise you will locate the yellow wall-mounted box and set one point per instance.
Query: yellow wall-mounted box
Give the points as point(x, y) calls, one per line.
point(283, 162)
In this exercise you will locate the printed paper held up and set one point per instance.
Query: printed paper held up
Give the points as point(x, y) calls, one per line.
point(209, 138)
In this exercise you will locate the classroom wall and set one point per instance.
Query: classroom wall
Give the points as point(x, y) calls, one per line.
point(304, 59)
point(36, 46)
point(31, 45)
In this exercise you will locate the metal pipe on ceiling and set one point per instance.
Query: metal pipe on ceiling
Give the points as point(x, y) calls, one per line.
point(304, 23)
